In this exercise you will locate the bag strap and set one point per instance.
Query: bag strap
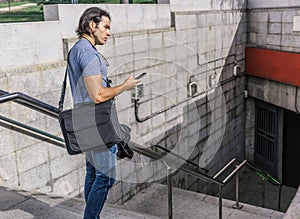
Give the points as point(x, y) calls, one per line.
point(64, 85)
point(63, 92)
point(63, 88)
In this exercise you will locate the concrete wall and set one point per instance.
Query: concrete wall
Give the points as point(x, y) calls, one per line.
point(272, 4)
point(26, 161)
point(203, 5)
point(201, 47)
point(32, 63)
point(25, 44)
point(163, 1)
point(124, 17)
point(271, 29)
point(271, 25)
point(221, 40)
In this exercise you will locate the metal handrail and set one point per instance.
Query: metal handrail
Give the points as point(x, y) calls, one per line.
point(224, 168)
point(136, 147)
point(238, 167)
point(53, 111)
point(264, 176)
point(252, 166)
point(262, 173)
point(47, 109)
point(154, 155)
point(29, 102)
point(31, 131)
point(182, 158)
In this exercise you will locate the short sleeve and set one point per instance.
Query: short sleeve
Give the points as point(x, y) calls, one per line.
point(92, 66)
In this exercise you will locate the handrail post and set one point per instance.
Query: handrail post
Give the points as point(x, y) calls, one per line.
point(279, 197)
point(169, 187)
point(237, 205)
point(169, 182)
point(263, 193)
point(220, 202)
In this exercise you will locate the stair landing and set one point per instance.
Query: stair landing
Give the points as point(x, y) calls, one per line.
point(151, 203)
point(191, 205)
point(20, 204)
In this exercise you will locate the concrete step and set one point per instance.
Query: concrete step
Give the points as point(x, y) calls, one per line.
point(190, 205)
point(255, 191)
point(20, 204)
point(148, 204)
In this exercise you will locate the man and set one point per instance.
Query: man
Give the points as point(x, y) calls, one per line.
point(87, 71)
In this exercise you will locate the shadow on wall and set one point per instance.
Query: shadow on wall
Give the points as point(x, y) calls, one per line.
point(212, 131)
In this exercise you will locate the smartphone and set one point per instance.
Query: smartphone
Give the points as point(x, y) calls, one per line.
point(140, 76)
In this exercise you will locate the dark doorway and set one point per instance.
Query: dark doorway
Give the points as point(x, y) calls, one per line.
point(291, 149)
point(266, 137)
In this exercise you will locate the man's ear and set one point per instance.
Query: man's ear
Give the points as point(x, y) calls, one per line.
point(92, 26)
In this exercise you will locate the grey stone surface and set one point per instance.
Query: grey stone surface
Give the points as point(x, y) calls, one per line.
point(279, 21)
point(272, 4)
point(294, 209)
point(273, 92)
point(150, 203)
point(256, 191)
point(190, 205)
point(17, 203)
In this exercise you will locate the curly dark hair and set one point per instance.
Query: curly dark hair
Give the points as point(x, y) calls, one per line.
point(91, 14)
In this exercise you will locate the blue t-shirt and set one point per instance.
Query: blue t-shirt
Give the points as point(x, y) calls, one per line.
point(84, 60)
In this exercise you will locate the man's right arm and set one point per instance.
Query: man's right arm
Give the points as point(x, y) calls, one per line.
point(99, 94)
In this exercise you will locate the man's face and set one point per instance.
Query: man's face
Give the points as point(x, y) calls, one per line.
point(102, 31)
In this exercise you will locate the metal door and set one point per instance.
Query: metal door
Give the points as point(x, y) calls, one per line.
point(266, 137)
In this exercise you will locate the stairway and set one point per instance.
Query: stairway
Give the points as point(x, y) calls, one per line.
point(21, 204)
point(148, 204)
point(191, 205)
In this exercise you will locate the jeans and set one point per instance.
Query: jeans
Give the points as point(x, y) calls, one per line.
point(100, 174)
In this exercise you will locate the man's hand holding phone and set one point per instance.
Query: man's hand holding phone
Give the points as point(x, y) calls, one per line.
point(140, 76)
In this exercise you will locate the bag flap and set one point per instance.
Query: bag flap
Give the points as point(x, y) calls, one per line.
point(85, 116)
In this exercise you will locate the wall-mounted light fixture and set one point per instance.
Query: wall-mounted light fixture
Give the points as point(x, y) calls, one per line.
point(245, 94)
point(192, 87)
point(296, 23)
point(212, 80)
point(236, 69)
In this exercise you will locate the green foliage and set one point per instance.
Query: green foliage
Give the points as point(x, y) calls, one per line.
point(6, 4)
point(97, 1)
point(80, 1)
point(144, 1)
point(34, 13)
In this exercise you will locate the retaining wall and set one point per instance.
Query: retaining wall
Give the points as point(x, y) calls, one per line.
point(124, 17)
